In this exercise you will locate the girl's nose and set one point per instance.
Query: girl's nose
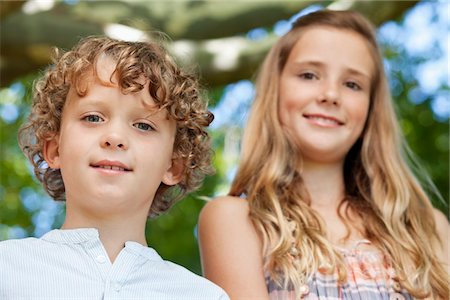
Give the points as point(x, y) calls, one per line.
point(330, 93)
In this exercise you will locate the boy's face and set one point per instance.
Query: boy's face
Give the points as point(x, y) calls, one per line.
point(113, 149)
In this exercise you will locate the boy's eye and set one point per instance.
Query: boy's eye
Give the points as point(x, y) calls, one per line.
point(353, 85)
point(143, 126)
point(93, 119)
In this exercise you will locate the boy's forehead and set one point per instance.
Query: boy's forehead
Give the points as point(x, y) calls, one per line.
point(105, 74)
point(105, 69)
point(101, 73)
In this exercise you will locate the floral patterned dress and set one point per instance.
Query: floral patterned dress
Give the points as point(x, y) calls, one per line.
point(369, 277)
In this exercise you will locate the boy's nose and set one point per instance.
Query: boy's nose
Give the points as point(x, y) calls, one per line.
point(114, 141)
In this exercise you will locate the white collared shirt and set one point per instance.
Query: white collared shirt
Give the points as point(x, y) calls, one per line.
point(73, 264)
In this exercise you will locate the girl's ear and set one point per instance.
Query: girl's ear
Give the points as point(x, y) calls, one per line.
point(51, 152)
point(175, 172)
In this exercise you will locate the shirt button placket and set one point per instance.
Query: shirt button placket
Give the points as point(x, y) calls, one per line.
point(116, 286)
point(101, 259)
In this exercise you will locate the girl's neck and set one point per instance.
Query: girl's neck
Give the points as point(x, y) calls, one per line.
point(325, 184)
point(326, 188)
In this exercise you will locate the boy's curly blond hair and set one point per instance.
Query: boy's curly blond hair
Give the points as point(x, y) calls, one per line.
point(170, 87)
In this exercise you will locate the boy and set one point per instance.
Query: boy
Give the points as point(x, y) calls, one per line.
point(117, 130)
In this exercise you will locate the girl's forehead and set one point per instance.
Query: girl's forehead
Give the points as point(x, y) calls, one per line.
point(334, 45)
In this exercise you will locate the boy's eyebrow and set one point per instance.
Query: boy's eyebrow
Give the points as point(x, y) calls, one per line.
point(153, 108)
point(91, 100)
point(150, 108)
point(153, 113)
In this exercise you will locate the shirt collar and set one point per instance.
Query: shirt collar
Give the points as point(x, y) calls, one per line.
point(142, 250)
point(71, 236)
point(82, 235)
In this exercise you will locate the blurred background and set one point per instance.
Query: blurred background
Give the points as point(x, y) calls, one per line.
point(225, 41)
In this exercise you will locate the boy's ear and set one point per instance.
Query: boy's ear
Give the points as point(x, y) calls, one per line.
point(175, 172)
point(51, 152)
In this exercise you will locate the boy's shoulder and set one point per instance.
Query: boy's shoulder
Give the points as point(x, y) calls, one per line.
point(77, 256)
point(16, 250)
point(14, 245)
point(182, 281)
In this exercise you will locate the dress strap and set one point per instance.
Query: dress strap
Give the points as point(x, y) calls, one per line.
point(354, 246)
point(361, 242)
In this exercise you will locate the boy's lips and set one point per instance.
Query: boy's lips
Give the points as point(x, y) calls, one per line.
point(111, 165)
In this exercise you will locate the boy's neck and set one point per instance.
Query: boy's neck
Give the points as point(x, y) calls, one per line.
point(113, 231)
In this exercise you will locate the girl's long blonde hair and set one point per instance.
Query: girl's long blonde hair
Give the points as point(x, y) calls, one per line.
point(380, 186)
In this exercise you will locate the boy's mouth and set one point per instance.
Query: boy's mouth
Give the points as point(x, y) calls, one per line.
point(111, 165)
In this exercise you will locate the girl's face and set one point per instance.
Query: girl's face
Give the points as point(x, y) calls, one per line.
point(324, 92)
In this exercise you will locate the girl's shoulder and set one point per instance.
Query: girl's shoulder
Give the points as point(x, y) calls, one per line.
point(443, 231)
point(442, 224)
point(227, 212)
point(231, 250)
point(225, 205)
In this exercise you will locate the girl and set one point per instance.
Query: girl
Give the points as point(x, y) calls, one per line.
point(324, 204)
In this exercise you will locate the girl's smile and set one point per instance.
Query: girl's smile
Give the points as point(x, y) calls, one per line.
point(324, 92)
point(323, 120)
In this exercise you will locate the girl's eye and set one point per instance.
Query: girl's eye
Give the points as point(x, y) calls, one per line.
point(308, 75)
point(143, 126)
point(352, 85)
point(93, 119)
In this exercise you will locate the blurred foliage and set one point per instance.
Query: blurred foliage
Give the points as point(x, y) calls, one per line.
point(26, 211)
point(426, 132)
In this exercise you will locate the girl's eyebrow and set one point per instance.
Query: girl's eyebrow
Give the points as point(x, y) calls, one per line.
point(301, 63)
point(357, 72)
point(315, 63)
